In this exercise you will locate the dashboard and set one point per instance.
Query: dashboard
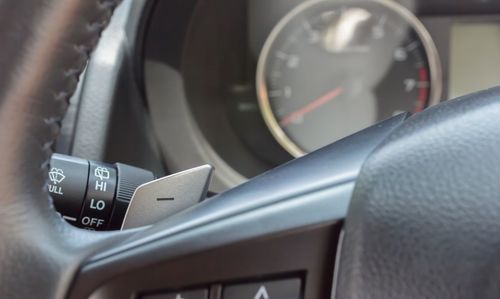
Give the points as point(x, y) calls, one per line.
point(248, 85)
point(267, 81)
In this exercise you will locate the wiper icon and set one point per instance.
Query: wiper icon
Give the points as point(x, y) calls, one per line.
point(102, 173)
point(56, 175)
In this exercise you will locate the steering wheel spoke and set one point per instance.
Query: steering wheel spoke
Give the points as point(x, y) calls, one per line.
point(282, 224)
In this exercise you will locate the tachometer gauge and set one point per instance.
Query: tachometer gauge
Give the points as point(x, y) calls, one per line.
point(332, 67)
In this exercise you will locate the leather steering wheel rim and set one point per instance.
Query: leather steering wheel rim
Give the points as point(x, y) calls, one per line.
point(45, 47)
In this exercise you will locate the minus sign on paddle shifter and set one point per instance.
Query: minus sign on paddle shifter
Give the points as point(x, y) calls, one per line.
point(164, 198)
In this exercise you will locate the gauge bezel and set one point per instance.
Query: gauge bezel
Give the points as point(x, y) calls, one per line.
point(279, 134)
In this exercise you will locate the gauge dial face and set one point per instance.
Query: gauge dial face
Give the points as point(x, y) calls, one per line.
point(331, 68)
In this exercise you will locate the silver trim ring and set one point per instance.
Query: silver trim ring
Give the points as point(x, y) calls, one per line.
point(264, 104)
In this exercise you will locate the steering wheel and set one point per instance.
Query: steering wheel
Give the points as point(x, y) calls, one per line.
point(408, 208)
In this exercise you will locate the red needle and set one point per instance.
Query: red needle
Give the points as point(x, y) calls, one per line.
point(311, 106)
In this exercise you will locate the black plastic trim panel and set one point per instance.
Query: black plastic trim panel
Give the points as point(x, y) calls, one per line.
point(307, 254)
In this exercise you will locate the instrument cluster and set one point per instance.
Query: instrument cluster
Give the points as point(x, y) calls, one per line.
point(270, 80)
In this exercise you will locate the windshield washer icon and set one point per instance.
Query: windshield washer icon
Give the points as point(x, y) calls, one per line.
point(102, 173)
point(56, 175)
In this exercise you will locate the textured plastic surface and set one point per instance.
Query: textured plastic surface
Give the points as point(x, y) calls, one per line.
point(424, 219)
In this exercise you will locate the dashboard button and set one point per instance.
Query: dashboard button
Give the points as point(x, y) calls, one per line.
point(279, 289)
point(195, 294)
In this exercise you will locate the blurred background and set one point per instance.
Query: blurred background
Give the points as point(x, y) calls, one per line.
point(247, 85)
